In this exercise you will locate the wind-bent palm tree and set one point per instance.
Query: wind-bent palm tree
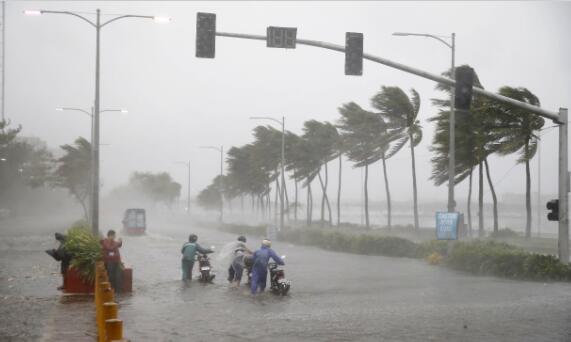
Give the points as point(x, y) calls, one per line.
point(322, 138)
point(400, 113)
point(475, 141)
point(518, 133)
point(364, 136)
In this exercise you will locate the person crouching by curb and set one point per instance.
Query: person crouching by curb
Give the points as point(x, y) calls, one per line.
point(112, 259)
point(189, 250)
point(260, 268)
point(61, 254)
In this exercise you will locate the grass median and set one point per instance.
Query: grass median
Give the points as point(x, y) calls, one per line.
point(481, 257)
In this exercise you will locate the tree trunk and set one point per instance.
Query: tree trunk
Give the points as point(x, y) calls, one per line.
point(414, 190)
point(295, 208)
point(276, 201)
point(388, 192)
point(481, 201)
point(286, 205)
point(469, 205)
point(494, 197)
point(527, 193)
point(366, 191)
point(323, 194)
point(326, 196)
point(339, 193)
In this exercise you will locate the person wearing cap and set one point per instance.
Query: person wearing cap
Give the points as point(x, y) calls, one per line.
point(260, 268)
point(189, 251)
point(236, 268)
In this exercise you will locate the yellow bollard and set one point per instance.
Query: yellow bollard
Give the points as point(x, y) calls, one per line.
point(114, 329)
point(110, 310)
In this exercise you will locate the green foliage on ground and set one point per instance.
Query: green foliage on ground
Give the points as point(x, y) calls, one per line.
point(503, 260)
point(84, 248)
point(482, 257)
point(504, 234)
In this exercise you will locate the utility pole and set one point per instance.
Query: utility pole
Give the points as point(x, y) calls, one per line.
point(563, 241)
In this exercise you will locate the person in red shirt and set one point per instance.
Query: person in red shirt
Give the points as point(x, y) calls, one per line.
point(112, 259)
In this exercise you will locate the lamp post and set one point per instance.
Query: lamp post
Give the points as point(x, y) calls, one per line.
point(452, 118)
point(221, 150)
point(98, 25)
point(187, 164)
point(282, 190)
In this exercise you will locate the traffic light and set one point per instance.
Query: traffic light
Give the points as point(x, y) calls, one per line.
point(205, 35)
point(464, 76)
point(353, 53)
point(281, 37)
point(553, 205)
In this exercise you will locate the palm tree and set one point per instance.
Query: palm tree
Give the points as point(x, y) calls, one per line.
point(401, 112)
point(72, 172)
point(475, 141)
point(364, 134)
point(322, 138)
point(518, 133)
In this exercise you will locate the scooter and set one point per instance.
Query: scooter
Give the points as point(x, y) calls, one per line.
point(279, 285)
point(206, 274)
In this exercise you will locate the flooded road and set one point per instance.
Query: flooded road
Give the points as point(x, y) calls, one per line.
point(334, 297)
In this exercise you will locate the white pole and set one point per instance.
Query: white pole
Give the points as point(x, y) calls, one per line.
point(563, 242)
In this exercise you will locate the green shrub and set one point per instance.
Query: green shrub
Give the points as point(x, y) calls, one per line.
point(503, 260)
point(84, 248)
point(504, 234)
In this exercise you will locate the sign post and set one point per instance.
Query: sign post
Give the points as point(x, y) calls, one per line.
point(447, 225)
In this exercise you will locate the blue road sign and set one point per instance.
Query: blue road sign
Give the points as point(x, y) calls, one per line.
point(447, 225)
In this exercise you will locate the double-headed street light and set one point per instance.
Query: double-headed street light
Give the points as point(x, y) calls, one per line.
point(282, 190)
point(187, 164)
point(220, 190)
point(452, 118)
point(95, 143)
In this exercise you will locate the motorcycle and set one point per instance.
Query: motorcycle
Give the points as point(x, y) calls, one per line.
point(279, 285)
point(206, 274)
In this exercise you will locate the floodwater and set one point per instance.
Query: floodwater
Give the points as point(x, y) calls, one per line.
point(334, 297)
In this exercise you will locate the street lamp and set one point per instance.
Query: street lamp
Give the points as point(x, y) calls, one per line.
point(95, 143)
point(188, 199)
point(221, 150)
point(282, 190)
point(452, 119)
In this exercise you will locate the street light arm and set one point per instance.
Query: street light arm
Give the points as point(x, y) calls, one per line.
point(211, 148)
point(75, 109)
point(265, 118)
point(423, 35)
point(70, 13)
point(126, 16)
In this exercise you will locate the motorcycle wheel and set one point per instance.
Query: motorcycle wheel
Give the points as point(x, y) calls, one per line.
point(283, 289)
point(204, 276)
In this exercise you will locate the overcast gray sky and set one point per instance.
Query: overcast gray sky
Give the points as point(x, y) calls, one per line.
point(177, 102)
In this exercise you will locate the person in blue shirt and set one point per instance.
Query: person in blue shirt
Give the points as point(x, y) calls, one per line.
point(260, 268)
point(189, 250)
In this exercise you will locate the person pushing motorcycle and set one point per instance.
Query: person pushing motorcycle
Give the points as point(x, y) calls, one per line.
point(236, 268)
point(260, 268)
point(189, 250)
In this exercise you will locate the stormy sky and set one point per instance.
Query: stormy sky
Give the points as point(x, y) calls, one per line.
point(177, 102)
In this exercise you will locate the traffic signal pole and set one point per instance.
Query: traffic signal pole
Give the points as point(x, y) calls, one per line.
point(563, 242)
point(559, 118)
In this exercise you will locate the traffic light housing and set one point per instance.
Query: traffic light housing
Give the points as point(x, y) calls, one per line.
point(205, 35)
point(464, 76)
point(553, 205)
point(353, 53)
point(281, 37)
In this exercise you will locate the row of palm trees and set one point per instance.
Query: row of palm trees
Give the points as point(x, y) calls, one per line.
point(369, 136)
